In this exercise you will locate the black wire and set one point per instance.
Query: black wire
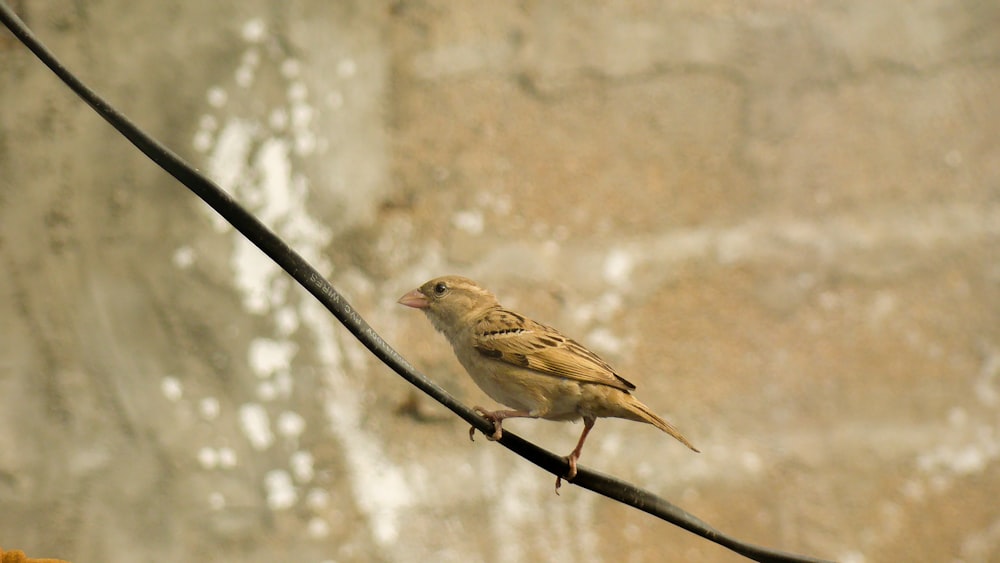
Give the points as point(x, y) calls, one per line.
point(250, 227)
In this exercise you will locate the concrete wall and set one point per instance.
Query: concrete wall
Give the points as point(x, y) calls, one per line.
point(781, 220)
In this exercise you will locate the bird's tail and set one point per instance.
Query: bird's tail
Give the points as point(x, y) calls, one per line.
point(637, 411)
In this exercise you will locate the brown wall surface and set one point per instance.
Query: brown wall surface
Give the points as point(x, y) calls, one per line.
point(781, 220)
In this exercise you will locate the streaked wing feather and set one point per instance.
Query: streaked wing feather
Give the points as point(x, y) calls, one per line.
point(509, 337)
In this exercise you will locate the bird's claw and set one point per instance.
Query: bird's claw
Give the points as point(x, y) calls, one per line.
point(491, 437)
point(569, 475)
point(497, 427)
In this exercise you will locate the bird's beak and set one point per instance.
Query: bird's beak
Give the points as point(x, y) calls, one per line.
point(414, 299)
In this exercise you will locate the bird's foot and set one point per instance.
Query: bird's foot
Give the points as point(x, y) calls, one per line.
point(492, 417)
point(569, 475)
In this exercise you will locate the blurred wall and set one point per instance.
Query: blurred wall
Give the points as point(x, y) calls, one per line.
point(781, 220)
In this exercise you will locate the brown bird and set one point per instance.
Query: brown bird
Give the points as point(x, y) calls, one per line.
point(526, 365)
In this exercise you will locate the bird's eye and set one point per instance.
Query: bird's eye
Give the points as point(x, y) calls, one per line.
point(440, 288)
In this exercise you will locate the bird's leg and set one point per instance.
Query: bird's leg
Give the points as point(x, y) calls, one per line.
point(496, 417)
point(588, 423)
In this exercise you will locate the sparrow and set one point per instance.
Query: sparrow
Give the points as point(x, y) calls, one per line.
point(530, 367)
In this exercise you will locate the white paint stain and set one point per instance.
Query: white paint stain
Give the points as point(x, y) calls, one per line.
point(279, 489)
point(256, 426)
point(209, 408)
point(252, 158)
point(227, 458)
point(266, 356)
point(301, 463)
point(217, 97)
point(291, 424)
point(618, 267)
point(208, 458)
point(318, 527)
point(471, 222)
point(254, 30)
point(184, 257)
point(171, 388)
point(380, 487)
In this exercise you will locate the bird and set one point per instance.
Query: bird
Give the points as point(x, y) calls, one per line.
point(527, 366)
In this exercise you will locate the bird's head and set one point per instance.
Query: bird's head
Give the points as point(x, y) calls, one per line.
point(450, 302)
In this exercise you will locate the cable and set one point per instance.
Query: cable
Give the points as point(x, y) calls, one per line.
point(250, 227)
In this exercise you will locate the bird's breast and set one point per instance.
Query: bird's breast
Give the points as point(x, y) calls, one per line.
point(522, 388)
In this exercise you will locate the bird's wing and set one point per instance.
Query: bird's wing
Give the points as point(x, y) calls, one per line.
point(509, 337)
